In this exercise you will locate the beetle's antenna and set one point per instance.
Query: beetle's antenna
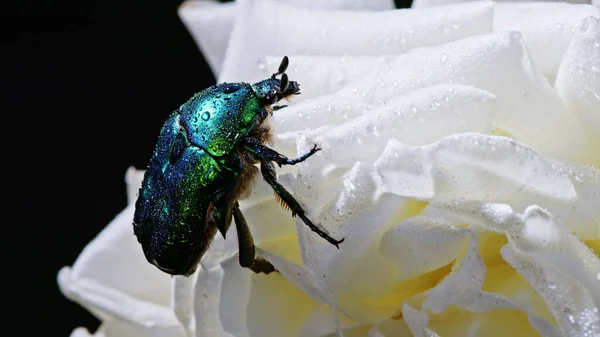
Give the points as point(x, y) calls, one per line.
point(282, 66)
point(284, 83)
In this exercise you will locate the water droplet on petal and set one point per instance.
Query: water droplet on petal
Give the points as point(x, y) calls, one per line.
point(205, 116)
point(443, 58)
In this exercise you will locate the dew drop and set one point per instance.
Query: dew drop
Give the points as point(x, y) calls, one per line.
point(205, 116)
point(443, 58)
point(585, 26)
point(371, 128)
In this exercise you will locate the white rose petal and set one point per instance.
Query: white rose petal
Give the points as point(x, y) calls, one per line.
point(133, 180)
point(478, 167)
point(578, 79)
point(417, 321)
point(268, 28)
point(526, 106)
point(547, 28)
point(461, 286)
point(421, 244)
point(566, 271)
point(117, 328)
point(183, 301)
point(122, 288)
point(418, 117)
point(354, 5)
point(210, 23)
point(570, 303)
point(431, 3)
point(326, 74)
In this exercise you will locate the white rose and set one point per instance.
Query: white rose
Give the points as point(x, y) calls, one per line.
point(461, 147)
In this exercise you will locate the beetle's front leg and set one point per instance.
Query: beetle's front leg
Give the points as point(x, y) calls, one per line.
point(262, 152)
point(246, 246)
point(270, 176)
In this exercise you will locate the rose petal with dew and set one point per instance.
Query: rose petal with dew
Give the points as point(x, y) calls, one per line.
point(258, 305)
point(520, 90)
point(481, 167)
point(117, 328)
point(210, 23)
point(547, 28)
point(366, 298)
point(183, 301)
point(208, 302)
point(432, 3)
point(421, 244)
point(351, 5)
point(569, 301)
point(416, 118)
point(269, 28)
point(460, 287)
point(132, 274)
point(526, 107)
point(463, 288)
point(586, 181)
point(567, 271)
point(322, 75)
point(578, 79)
point(113, 264)
point(108, 302)
point(538, 234)
point(417, 321)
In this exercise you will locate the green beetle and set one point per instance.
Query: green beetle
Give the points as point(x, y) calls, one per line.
point(203, 163)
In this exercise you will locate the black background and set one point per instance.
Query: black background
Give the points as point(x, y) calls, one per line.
point(85, 90)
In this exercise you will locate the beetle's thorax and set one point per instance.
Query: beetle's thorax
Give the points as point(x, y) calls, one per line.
point(216, 118)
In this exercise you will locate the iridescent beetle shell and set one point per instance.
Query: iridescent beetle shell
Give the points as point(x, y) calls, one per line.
point(200, 168)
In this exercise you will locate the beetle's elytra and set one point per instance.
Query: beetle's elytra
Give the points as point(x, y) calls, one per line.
point(203, 163)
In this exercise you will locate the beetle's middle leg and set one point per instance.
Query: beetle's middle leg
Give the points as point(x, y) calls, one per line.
point(247, 254)
point(264, 153)
point(270, 176)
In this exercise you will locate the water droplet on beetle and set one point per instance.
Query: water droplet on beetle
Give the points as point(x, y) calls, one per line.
point(205, 116)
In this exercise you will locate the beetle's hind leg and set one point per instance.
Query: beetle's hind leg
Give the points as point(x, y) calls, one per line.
point(270, 176)
point(247, 253)
point(267, 154)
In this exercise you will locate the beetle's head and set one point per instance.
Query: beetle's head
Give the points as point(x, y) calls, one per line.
point(274, 89)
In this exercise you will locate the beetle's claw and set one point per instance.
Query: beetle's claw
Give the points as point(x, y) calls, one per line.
point(337, 243)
